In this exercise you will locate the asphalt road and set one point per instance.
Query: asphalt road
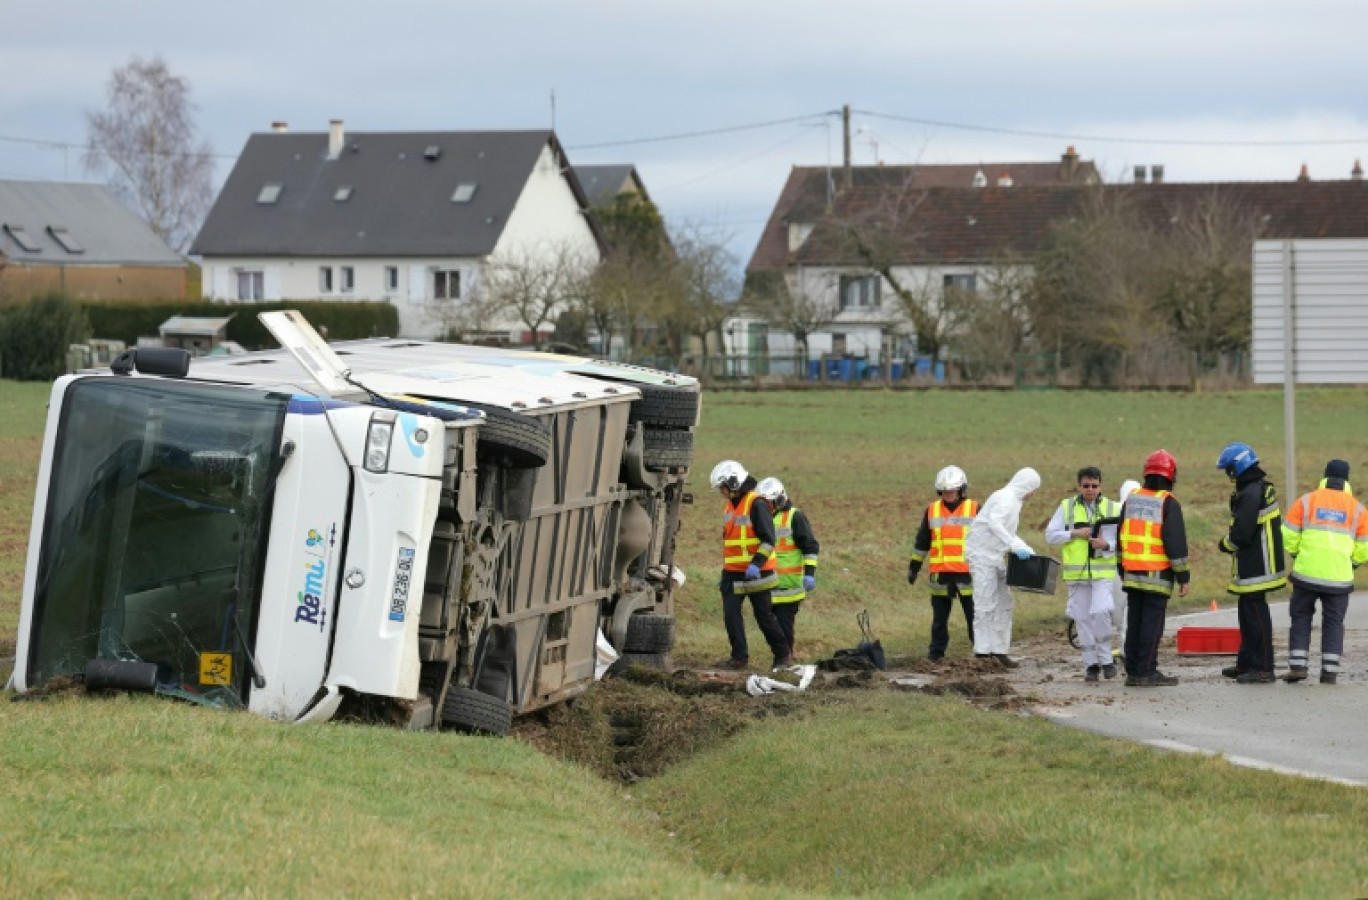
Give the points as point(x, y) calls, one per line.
point(1307, 729)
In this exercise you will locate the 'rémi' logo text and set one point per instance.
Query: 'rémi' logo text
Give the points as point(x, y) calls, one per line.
point(310, 608)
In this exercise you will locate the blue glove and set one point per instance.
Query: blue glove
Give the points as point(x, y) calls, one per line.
point(1023, 553)
point(752, 572)
point(809, 582)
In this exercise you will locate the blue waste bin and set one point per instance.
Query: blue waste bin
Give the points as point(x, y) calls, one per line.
point(814, 370)
point(940, 370)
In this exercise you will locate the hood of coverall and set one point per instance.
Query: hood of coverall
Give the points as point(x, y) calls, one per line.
point(993, 532)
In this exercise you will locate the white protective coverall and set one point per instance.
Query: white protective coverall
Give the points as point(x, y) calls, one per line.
point(1118, 595)
point(992, 535)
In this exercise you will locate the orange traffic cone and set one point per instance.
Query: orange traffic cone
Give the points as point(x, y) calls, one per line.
point(1214, 608)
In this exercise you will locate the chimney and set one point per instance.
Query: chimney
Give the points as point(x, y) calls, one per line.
point(1068, 165)
point(1005, 179)
point(1357, 173)
point(280, 127)
point(1305, 175)
point(335, 138)
point(1140, 174)
point(1157, 174)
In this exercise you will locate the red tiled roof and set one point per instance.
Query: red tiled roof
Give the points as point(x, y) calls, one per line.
point(973, 225)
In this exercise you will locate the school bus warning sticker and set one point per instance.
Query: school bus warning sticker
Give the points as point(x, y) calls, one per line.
point(216, 669)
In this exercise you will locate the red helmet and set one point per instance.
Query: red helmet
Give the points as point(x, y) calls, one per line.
point(1161, 462)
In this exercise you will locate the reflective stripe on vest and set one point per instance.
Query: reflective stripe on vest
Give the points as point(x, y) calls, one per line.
point(1078, 563)
point(739, 543)
point(1268, 580)
point(948, 528)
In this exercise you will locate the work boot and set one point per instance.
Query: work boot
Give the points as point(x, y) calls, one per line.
point(783, 662)
point(1329, 678)
point(1093, 673)
point(1109, 671)
point(1253, 676)
point(1139, 681)
point(739, 665)
point(935, 657)
point(1162, 680)
point(1006, 661)
point(1294, 674)
point(1233, 671)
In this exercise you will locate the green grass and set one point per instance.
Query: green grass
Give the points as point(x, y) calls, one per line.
point(861, 465)
point(873, 792)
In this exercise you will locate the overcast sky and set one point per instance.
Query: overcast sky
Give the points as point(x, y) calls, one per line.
point(1211, 89)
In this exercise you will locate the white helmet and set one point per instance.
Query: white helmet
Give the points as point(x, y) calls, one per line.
point(951, 478)
point(772, 489)
point(1126, 489)
point(728, 474)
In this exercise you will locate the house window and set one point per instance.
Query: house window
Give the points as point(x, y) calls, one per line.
point(860, 291)
point(348, 279)
point(63, 237)
point(342, 194)
point(446, 284)
point(269, 193)
point(251, 285)
point(463, 193)
point(325, 282)
point(21, 237)
point(838, 343)
point(966, 283)
point(391, 279)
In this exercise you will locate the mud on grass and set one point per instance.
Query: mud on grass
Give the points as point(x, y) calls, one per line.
point(640, 722)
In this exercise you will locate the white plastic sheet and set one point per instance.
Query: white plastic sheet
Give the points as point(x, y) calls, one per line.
point(760, 685)
point(604, 657)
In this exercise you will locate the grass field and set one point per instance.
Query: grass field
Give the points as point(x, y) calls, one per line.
point(874, 793)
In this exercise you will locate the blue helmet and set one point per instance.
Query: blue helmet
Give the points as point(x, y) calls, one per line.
point(1236, 458)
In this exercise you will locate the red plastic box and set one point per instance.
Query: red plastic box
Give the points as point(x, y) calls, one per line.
point(1208, 640)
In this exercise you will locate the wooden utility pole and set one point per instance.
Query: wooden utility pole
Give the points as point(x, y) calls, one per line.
point(847, 176)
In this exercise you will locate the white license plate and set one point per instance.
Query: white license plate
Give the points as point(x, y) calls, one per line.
point(403, 575)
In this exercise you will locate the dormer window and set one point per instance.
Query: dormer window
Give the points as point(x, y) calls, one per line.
point(464, 192)
point(269, 193)
point(342, 194)
point(63, 237)
point(22, 238)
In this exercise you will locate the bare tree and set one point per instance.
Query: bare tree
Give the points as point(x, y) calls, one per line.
point(147, 141)
point(534, 284)
point(801, 306)
point(997, 321)
point(710, 283)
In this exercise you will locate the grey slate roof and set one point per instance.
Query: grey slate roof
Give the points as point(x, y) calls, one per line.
point(602, 183)
point(107, 232)
point(400, 202)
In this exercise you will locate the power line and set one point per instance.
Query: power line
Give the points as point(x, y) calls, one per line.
point(86, 148)
point(1079, 138)
point(708, 132)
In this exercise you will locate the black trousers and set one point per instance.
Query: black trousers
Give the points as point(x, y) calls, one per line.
point(1144, 627)
point(785, 613)
point(941, 604)
point(764, 617)
point(1256, 633)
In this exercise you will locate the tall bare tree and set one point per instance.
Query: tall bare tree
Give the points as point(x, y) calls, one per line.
point(801, 306)
point(146, 140)
point(710, 283)
point(533, 285)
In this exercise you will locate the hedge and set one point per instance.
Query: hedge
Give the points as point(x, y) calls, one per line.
point(339, 320)
point(34, 337)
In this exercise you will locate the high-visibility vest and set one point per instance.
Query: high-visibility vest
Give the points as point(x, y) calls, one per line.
point(1142, 542)
point(789, 560)
point(739, 543)
point(1328, 531)
point(1078, 562)
point(948, 528)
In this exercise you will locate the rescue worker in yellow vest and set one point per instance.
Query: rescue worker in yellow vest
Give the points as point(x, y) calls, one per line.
point(748, 564)
point(1255, 544)
point(1326, 531)
point(1154, 557)
point(1088, 568)
point(941, 538)
point(795, 555)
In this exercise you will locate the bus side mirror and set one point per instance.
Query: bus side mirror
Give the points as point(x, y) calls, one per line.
point(153, 361)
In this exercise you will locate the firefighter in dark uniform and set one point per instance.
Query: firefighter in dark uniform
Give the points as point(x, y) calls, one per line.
point(941, 537)
point(748, 564)
point(1257, 567)
point(1154, 557)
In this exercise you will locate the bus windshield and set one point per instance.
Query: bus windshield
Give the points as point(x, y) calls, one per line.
point(154, 532)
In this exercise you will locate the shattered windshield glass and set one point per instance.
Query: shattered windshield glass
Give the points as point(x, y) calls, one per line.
point(154, 532)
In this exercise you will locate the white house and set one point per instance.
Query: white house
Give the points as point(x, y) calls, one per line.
point(418, 219)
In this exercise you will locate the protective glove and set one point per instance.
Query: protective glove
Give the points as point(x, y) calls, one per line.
point(809, 582)
point(1022, 552)
point(912, 570)
point(752, 572)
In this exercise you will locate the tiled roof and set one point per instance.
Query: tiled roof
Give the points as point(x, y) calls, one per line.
point(977, 225)
point(67, 223)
